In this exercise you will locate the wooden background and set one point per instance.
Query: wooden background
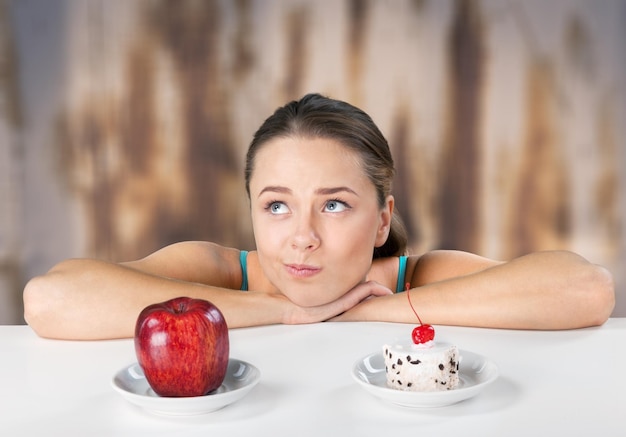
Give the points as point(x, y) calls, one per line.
point(124, 124)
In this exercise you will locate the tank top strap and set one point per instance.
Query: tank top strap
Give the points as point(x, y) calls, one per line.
point(243, 261)
point(401, 274)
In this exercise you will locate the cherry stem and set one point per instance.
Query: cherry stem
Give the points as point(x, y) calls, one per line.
point(408, 295)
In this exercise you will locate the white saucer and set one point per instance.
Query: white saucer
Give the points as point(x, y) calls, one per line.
point(240, 378)
point(475, 373)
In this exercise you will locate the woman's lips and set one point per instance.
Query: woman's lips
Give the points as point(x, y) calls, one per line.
point(302, 271)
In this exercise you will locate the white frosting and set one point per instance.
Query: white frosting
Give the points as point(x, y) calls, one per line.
point(413, 367)
point(421, 346)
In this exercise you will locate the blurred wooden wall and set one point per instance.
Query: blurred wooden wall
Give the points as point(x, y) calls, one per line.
point(124, 125)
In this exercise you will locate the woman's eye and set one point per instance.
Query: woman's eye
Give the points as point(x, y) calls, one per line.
point(277, 208)
point(335, 206)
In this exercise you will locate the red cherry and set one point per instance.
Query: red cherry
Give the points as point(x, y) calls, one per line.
point(423, 334)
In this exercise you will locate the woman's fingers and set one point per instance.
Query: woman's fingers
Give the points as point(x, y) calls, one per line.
point(359, 293)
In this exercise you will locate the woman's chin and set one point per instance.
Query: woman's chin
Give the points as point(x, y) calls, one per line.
point(311, 301)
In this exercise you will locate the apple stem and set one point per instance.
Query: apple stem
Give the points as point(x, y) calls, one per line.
point(408, 295)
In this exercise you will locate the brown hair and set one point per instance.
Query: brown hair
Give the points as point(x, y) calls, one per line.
point(316, 116)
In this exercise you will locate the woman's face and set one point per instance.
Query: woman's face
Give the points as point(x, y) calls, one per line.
point(316, 218)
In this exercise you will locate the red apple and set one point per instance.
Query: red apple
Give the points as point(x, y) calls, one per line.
point(182, 346)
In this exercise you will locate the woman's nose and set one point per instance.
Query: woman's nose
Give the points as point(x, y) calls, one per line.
point(305, 236)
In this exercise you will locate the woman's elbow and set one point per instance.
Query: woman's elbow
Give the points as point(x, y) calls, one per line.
point(600, 292)
point(39, 303)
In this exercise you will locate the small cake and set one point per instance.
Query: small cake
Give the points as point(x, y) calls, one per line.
point(422, 367)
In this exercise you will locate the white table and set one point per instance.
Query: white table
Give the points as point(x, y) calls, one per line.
point(568, 383)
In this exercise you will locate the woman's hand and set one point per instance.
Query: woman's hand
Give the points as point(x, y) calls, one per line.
point(366, 290)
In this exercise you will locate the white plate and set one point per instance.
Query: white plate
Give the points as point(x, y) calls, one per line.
point(475, 373)
point(240, 378)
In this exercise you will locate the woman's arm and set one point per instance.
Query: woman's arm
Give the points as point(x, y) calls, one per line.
point(91, 299)
point(544, 290)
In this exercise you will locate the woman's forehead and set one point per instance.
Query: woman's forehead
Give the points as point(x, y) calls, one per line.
point(308, 150)
point(317, 160)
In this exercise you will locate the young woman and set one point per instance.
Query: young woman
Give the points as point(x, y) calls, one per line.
point(328, 247)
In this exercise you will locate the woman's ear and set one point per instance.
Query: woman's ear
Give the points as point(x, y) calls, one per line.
point(384, 225)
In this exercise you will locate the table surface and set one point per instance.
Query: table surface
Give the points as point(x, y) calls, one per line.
point(550, 383)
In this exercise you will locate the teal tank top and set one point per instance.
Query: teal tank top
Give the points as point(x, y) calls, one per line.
point(401, 274)
point(243, 261)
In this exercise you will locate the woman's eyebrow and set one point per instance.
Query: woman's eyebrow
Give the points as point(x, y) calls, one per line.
point(334, 190)
point(275, 189)
point(319, 191)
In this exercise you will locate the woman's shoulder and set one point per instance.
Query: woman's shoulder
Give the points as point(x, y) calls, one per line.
point(428, 267)
point(438, 265)
point(197, 251)
point(195, 261)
